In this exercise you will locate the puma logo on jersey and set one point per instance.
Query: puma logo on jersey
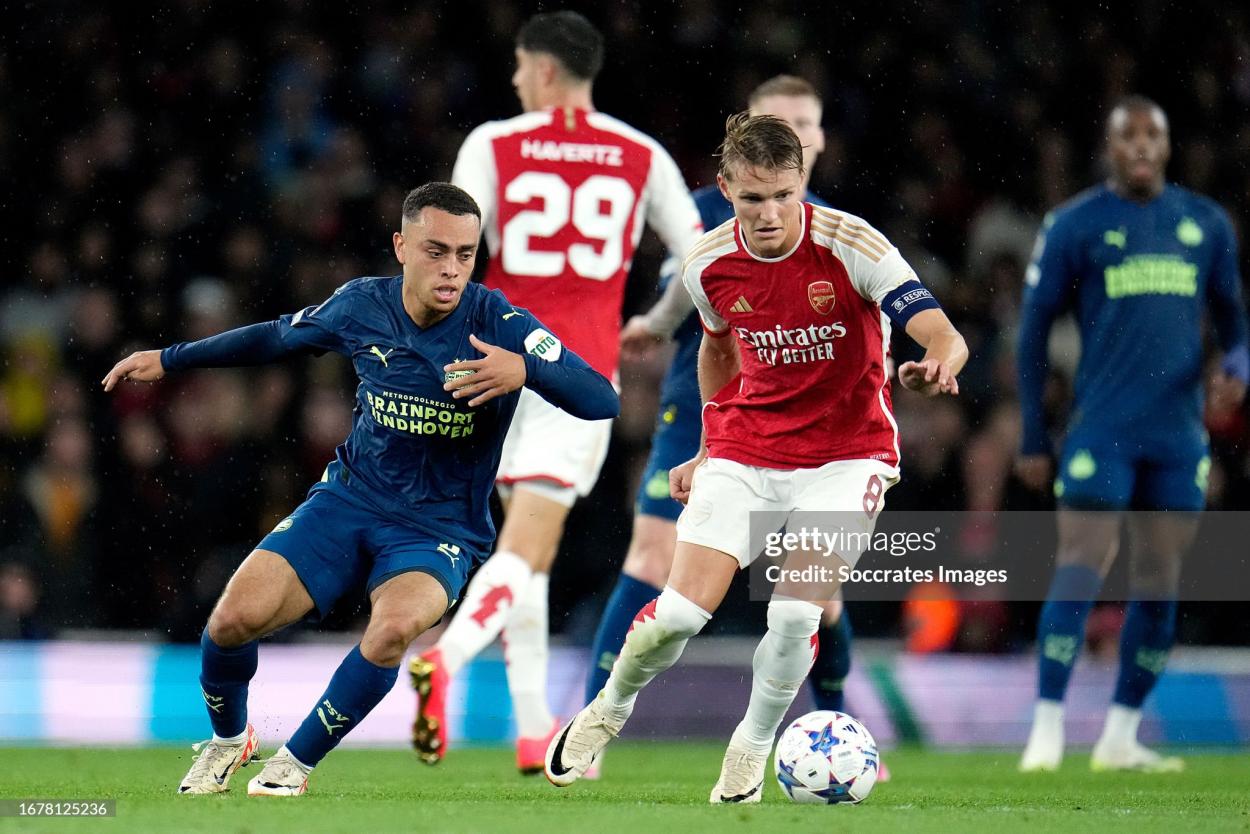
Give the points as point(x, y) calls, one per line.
point(378, 353)
point(742, 306)
point(507, 316)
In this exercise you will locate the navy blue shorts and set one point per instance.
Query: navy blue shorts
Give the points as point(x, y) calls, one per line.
point(336, 543)
point(1098, 471)
point(676, 440)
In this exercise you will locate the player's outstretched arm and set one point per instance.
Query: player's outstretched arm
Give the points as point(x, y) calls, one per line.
point(566, 382)
point(255, 344)
point(945, 355)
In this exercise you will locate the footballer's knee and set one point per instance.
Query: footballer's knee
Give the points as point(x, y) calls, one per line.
point(232, 624)
point(1087, 539)
point(388, 637)
point(651, 547)
point(648, 563)
point(794, 617)
point(677, 617)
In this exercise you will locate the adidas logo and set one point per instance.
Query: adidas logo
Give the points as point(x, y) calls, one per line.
point(741, 306)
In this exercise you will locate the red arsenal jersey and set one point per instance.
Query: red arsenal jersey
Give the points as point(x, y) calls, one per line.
point(812, 341)
point(564, 195)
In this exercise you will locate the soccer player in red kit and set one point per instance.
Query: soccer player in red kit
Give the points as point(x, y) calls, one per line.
point(565, 192)
point(796, 303)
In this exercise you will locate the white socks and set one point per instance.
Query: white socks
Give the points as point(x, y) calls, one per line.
point(495, 589)
point(782, 661)
point(1120, 731)
point(283, 751)
point(1048, 717)
point(525, 650)
point(655, 641)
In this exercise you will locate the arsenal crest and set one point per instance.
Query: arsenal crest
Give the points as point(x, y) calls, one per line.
point(820, 293)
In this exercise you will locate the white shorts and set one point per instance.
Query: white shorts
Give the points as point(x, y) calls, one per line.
point(552, 452)
point(724, 494)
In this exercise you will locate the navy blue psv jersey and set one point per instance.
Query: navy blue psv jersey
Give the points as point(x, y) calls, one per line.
point(416, 454)
point(1139, 278)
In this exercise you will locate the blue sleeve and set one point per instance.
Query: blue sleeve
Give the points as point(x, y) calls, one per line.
point(1048, 290)
point(312, 330)
point(554, 372)
point(569, 383)
point(907, 299)
point(1228, 311)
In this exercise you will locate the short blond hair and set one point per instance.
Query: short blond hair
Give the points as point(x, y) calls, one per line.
point(783, 85)
point(759, 142)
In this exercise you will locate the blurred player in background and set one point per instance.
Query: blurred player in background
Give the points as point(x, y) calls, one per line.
point(794, 302)
point(679, 425)
point(404, 507)
point(1138, 261)
point(565, 192)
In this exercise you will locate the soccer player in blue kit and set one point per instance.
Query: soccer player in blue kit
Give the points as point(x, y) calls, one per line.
point(679, 426)
point(403, 508)
point(1137, 260)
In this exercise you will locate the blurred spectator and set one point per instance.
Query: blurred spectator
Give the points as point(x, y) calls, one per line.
point(19, 604)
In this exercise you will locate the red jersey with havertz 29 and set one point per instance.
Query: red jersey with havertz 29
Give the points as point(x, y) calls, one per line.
point(565, 194)
point(812, 341)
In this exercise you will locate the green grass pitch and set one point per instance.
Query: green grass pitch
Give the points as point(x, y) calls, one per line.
point(647, 788)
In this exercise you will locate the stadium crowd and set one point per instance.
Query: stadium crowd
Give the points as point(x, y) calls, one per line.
point(173, 174)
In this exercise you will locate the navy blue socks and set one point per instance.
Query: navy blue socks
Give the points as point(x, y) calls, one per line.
point(224, 675)
point(833, 664)
point(1061, 627)
point(355, 689)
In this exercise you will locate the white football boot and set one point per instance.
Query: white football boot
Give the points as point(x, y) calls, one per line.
point(1134, 756)
point(1119, 749)
point(1044, 751)
point(216, 763)
point(576, 747)
point(741, 776)
point(283, 775)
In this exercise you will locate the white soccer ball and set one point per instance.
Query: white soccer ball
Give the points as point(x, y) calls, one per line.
point(826, 758)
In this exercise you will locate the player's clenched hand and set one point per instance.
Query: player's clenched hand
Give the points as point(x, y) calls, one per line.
point(929, 376)
point(499, 372)
point(143, 366)
point(1034, 471)
point(681, 477)
point(637, 340)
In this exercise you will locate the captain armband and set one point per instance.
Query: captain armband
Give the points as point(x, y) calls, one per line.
point(906, 300)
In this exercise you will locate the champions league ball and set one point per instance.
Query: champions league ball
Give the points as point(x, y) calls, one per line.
point(826, 758)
